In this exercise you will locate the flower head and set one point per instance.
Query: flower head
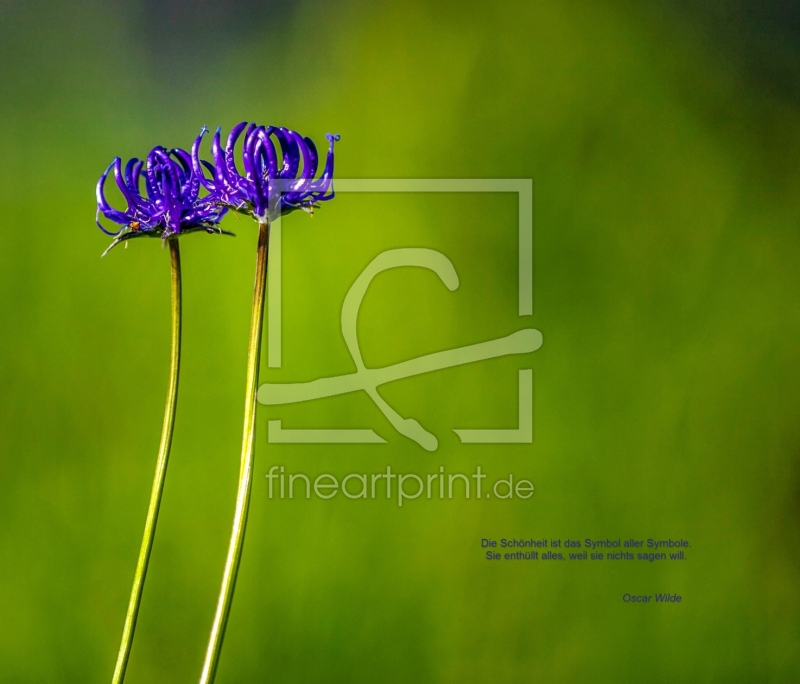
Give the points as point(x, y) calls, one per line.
point(170, 205)
point(277, 179)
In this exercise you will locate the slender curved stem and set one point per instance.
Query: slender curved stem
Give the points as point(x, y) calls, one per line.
point(246, 464)
point(161, 471)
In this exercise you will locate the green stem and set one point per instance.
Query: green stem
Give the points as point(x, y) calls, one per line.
point(161, 471)
point(246, 465)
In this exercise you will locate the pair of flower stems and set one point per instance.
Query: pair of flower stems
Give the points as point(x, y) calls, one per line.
point(245, 471)
point(277, 179)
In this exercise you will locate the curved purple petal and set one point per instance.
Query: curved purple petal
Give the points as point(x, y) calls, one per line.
point(107, 232)
point(267, 153)
point(219, 160)
point(198, 164)
point(291, 155)
point(305, 156)
point(320, 187)
point(102, 203)
point(230, 146)
point(129, 196)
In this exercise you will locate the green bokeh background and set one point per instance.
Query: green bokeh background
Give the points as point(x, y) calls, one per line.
point(663, 149)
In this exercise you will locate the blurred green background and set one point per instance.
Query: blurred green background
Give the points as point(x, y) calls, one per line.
point(663, 141)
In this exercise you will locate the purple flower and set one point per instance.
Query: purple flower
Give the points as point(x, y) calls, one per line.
point(277, 179)
point(170, 205)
